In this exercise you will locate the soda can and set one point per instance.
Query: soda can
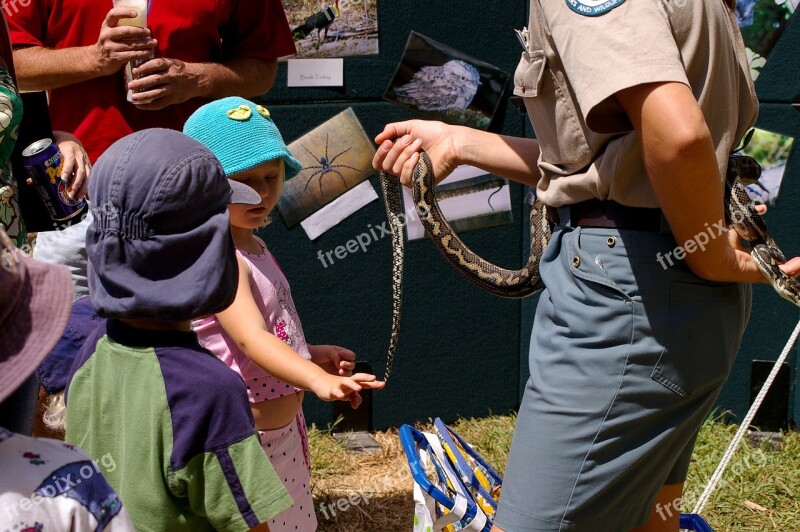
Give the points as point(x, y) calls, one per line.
point(42, 160)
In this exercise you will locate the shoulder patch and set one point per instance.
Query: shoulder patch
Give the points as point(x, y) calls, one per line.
point(593, 8)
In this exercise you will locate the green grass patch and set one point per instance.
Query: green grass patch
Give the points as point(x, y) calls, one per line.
point(759, 491)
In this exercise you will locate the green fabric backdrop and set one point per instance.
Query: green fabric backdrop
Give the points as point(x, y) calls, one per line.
point(463, 352)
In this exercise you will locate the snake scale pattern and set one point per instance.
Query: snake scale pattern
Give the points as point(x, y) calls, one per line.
point(740, 212)
point(742, 215)
point(497, 280)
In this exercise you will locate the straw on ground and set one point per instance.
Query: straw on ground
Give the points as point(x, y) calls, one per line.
point(369, 492)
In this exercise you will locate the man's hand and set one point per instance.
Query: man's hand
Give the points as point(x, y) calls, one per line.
point(116, 45)
point(399, 144)
point(163, 82)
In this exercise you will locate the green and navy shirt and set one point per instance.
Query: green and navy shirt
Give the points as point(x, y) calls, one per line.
point(178, 424)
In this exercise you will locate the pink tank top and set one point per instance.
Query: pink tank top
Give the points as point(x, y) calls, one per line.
point(274, 299)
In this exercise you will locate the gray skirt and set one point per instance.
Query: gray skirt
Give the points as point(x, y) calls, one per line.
point(628, 354)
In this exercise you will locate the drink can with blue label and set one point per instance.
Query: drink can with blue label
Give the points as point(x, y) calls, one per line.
point(42, 159)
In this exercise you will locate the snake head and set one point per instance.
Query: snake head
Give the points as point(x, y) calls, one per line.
point(746, 168)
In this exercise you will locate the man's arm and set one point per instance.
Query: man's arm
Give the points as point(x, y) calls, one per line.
point(40, 68)
point(244, 77)
point(166, 81)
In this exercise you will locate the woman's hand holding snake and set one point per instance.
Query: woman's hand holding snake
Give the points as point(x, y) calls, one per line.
point(399, 145)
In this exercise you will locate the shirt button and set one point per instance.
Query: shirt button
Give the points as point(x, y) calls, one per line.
point(612, 241)
point(576, 261)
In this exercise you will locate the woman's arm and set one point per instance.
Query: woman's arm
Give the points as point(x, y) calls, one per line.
point(682, 166)
point(450, 146)
point(244, 323)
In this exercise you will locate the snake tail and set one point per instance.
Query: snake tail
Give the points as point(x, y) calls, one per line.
point(392, 197)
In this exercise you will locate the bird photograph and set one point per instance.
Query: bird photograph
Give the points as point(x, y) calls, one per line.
point(442, 83)
point(452, 85)
point(333, 28)
point(318, 21)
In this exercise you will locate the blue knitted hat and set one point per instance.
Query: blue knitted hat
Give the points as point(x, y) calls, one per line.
point(240, 134)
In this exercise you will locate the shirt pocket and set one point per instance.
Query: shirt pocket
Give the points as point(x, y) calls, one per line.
point(553, 113)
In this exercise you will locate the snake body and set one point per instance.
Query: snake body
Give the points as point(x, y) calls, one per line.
point(497, 280)
point(392, 199)
point(740, 213)
point(742, 216)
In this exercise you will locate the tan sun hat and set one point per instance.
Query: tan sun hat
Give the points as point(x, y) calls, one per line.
point(35, 300)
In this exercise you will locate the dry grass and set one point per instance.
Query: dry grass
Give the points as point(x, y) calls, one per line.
point(760, 491)
point(377, 484)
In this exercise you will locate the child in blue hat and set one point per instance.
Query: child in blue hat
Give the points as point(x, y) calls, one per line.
point(260, 335)
point(174, 418)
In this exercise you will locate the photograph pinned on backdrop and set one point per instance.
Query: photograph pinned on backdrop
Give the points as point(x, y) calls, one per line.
point(336, 156)
point(469, 198)
point(333, 28)
point(762, 22)
point(442, 83)
point(772, 151)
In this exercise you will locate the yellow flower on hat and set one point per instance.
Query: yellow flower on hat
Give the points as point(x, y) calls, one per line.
point(240, 113)
point(262, 111)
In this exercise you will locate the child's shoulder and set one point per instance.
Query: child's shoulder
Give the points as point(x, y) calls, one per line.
point(199, 368)
point(203, 392)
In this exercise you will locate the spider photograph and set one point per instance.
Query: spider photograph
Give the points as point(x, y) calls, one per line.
point(327, 165)
point(336, 156)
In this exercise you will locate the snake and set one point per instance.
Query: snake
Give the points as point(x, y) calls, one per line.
point(742, 215)
point(502, 282)
point(740, 211)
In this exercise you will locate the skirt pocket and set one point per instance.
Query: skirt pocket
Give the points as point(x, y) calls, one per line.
point(703, 337)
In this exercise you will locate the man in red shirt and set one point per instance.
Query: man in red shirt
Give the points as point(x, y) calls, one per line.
point(75, 49)
point(204, 49)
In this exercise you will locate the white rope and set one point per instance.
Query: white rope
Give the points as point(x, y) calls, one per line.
point(737, 439)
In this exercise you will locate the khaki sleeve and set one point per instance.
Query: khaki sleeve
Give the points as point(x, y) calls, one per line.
point(628, 45)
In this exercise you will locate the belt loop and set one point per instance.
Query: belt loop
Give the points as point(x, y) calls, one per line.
point(564, 217)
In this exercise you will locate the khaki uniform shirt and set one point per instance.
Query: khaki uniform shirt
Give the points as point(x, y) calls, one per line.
point(574, 64)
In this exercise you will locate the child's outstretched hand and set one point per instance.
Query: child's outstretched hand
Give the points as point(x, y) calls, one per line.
point(333, 359)
point(331, 388)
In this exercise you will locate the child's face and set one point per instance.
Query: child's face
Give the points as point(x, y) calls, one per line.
point(267, 180)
